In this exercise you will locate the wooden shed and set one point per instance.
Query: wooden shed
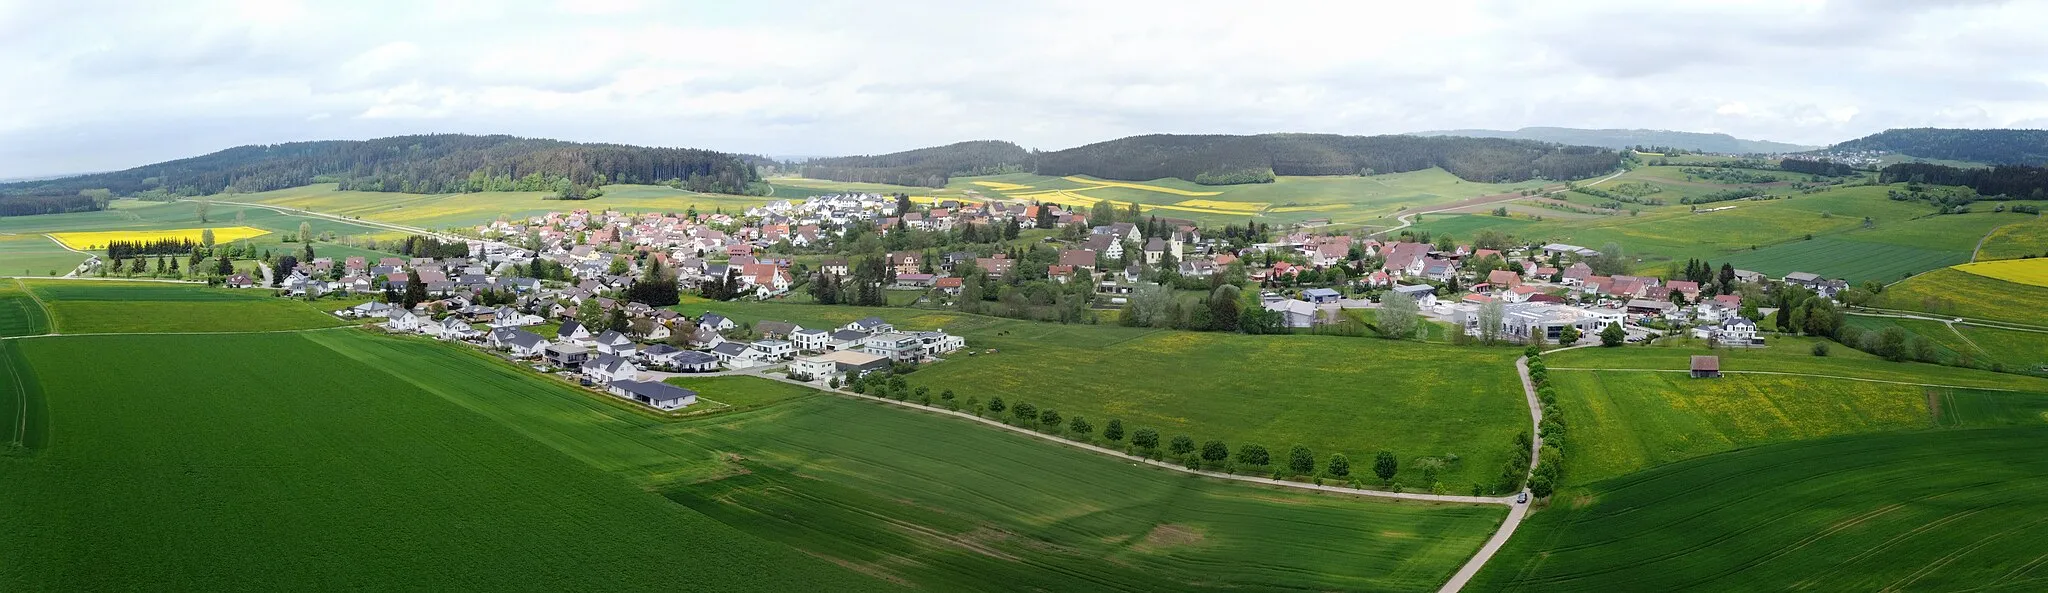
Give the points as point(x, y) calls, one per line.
point(1706, 367)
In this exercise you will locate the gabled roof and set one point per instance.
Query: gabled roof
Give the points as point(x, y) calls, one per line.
point(653, 390)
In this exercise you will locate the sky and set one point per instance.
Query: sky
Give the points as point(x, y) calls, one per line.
point(96, 86)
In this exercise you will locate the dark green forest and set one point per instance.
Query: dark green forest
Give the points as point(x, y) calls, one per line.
point(1206, 157)
point(2000, 182)
point(438, 163)
point(927, 167)
point(1999, 147)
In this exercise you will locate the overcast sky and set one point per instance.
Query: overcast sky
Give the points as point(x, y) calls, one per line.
point(108, 86)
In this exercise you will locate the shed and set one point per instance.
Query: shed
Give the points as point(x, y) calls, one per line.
point(1706, 367)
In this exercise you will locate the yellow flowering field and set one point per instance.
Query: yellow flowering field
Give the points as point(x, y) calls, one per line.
point(91, 240)
point(2033, 272)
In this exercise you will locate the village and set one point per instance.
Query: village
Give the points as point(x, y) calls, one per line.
point(557, 290)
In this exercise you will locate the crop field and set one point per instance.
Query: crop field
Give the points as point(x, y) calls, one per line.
point(86, 307)
point(131, 219)
point(1939, 510)
point(20, 315)
point(36, 255)
point(2031, 272)
point(1949, 291)
point(97, 240)
point(2020, 239)
point(1345, 199)
point(470, 209)
point(943, 504)
point(1355, 396)
point(201, 475)
point(1855, 261)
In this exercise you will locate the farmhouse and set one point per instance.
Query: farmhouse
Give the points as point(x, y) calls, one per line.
point(1706, 367)
point(653, 394)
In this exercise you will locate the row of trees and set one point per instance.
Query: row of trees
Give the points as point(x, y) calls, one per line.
point(126, 249)
point(2019, 182)
point(1549, 471)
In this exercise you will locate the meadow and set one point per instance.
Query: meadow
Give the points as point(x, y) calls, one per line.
point(26, 248)
point(443, 211)
point(1342, 199)
point(1355, 396)
point(199, 475)
point(2027, 238)
point(1949, 291)
point(939, 503)
point(90, 306)
point(1970, 345)
point(20, 314)
point(1936, 510)
point(36, 255)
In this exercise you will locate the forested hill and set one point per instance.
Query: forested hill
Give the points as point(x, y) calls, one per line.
point(439, 163)
point(1999, 147)
point(1619, 139)
point(929, 167)
point(1249, 159)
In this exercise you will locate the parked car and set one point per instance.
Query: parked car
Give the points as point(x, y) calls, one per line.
point(1522, 498)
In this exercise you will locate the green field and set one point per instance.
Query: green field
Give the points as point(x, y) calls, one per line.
point(1343, 199)
point(204, 476)
point(944, 504)
point(2014, 350)
point(28, 250)
point(1952, 292)
point(1793, 355)
point(1944, 510)
point(91, 306)
point(462, 210)
point(733, 394)
point(35, 255)
point(2028, 238)
point(20, 315)
point(1334, 394)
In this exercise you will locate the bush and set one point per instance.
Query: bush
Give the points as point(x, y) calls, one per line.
point(1820, 348)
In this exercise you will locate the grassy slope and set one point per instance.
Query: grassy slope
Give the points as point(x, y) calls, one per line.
point(1933, 510)
point(83, 306)
point(1350, 395)
point(2016, 351)
point(947, 505)
point(2018, 239)
point(199, 476)
point(1953, 292)
point(457, 210)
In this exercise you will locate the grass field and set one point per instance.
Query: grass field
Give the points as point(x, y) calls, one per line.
point(36, 255)
point(2027, 238)
point(943, 504)
point(2031, 272)
point(207, 476)
point(27, 250)
point(1944, 510)
point(463, 210)
point(1334, 394)
point(20, 315)
point(98, 240)
point(1949, 291)
point(732, 394)
point(86, 306)
point(1794, 355)
point(2016, 351)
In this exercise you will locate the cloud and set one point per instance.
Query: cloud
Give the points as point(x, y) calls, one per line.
point(121, 84)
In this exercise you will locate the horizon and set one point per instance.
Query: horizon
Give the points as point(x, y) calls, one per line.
point(789, 78)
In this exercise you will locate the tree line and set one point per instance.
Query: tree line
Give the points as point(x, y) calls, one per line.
point(924, 167)
point(2016, 182)
point(1227, 158)
point(434, 163)
point(126, 249)
point(1816, 167)
point(2008, 147)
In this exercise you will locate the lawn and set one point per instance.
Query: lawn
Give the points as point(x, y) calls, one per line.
point(315, 471)
point(1855, 261)
point(942, 504)
point(20, 315)
point(1949, 291)
point(90, 306)
point(1942, 510)
point(1355, 396)
point(732, 394)
point(1793, 355)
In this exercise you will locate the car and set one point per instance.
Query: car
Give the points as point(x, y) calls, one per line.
point(1522, 498)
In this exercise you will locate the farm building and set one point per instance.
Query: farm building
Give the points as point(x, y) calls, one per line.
point(1706, 367)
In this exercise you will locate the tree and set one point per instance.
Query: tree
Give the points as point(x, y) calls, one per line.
point(1050, 418)
point(305, 231)
point(1080, 428)
point(1215, 452)
point(995, 405)
point(1820, 348)
point(1490, 315)
point(1301, 461)
point(1223, 307)
point(1254, 454)
point(1340, 466)
point(1114, 431)
point(1145, 439)
point(1398, 316)
point(1385, 465)
point(225, 267)
point(203, 208)
point(1891, 344)
point(205, 237)
point(1024, 411)
point(1613, 335)
point(1181, 445)
point(1569, 335)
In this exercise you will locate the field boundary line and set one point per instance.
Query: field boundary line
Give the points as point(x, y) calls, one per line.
point(1506, 500)
point(1791, 374)
point(234, 333)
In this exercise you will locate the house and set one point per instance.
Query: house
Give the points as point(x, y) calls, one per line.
point(369, 310)
point(454, 329)
point(1295, 313)
point(1080, 259)
point(1651, 307)
point(571, 331)
point(1821, 286)
point(653, 394)
point(565, 354)
point(1735, 331)
point(692, 361)
point(240, 281)
point(404, 320)
point(738, 355)
point(609, 368)
point(715, 322)
point(615, 343)
point(1320, 295)
point(519, 342)
point(895, 346)
point(939, 342)
point(1706, 367)
point(846, 339)
point(776, 330)
point(776, 349)
point(1424, 294)
point(810, 340)
point(649, 329)
point(841, 364)
point(1561, 249)
point(1503, 280)
point(870, 325)
point(906, 262)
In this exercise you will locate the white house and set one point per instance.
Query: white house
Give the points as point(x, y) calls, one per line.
point(611, 342)
point(453, 328)
point(610, 367)
point(810, 340)
point(1295, 313)
point(776, 349)
point(715, 322)
point(404, 320)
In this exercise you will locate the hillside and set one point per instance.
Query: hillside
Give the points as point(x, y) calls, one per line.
point(927, 167)
point(1221, 160)
point(438, 163)
point(1618, 139)
point(2002, 147)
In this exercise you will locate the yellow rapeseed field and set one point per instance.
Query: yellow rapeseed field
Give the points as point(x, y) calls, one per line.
point(1000, 186)
point(1224, 205)
point(91, 240)
point(1141, 186)
point(2024, 271)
